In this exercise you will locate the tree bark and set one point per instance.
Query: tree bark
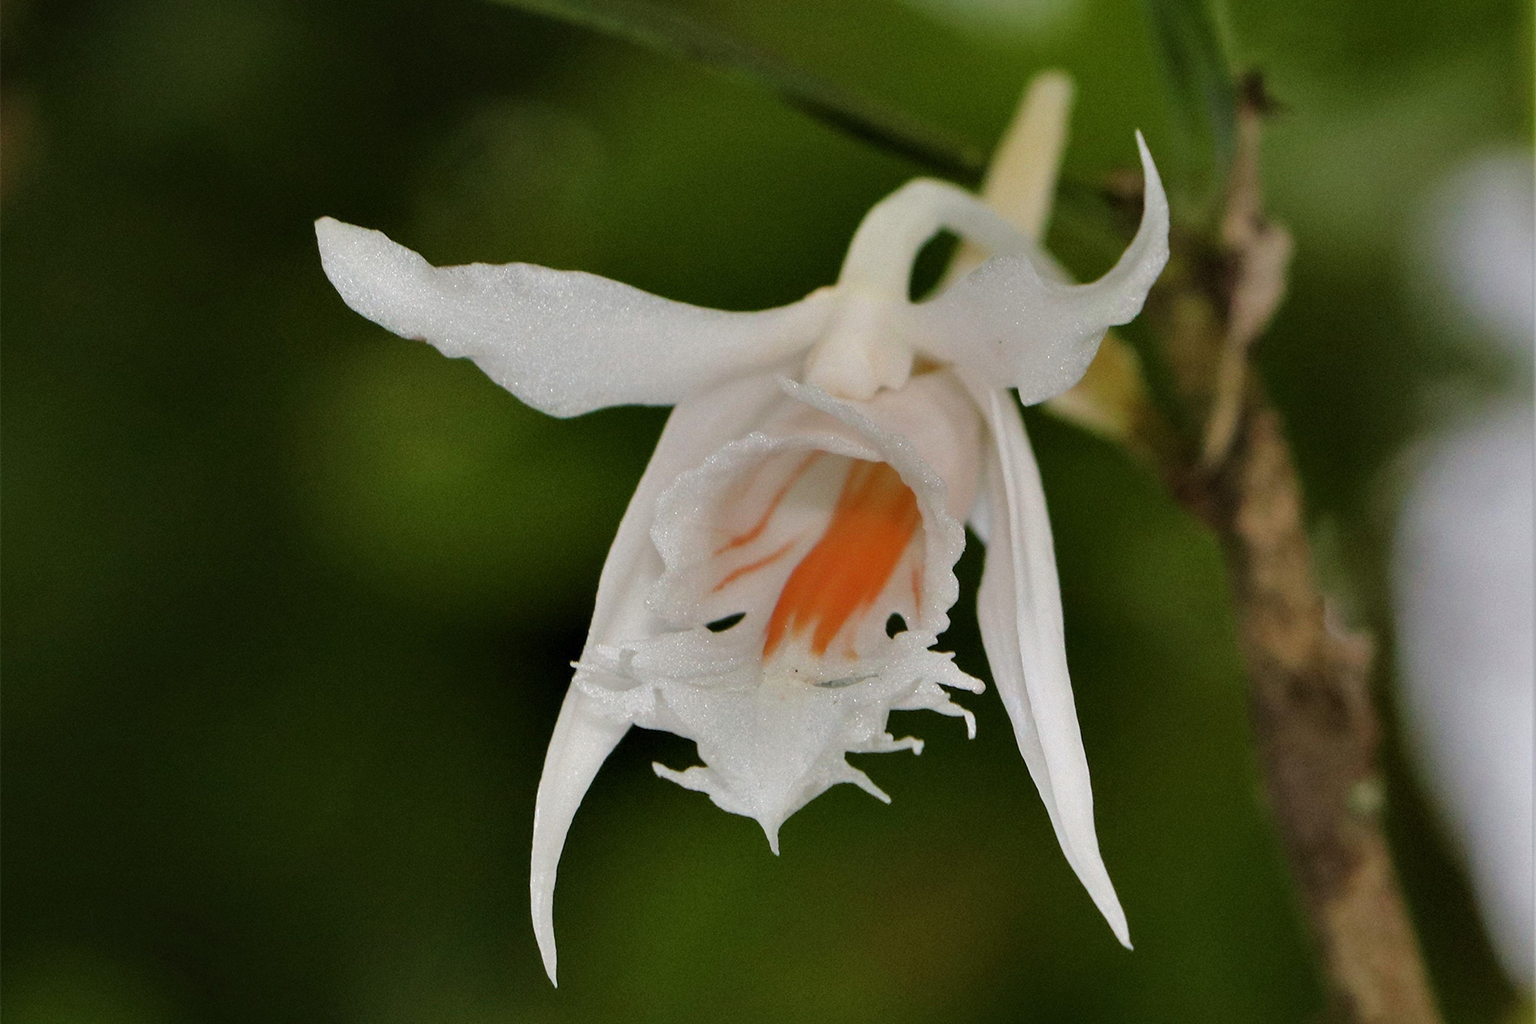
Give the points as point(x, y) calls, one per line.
point(1309, 692)
point(1316, 729)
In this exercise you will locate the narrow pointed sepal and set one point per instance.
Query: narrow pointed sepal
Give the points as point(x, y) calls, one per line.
point(1019, 612)
point(583, 739)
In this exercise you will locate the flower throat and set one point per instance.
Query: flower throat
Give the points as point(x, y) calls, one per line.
point(840, 578)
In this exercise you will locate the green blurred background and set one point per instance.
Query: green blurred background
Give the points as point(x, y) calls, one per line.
point(288, 602)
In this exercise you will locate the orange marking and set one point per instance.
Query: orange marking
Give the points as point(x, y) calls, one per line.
point(773, 506)
point(839, 578)
point(754, 566)
point(917, 589)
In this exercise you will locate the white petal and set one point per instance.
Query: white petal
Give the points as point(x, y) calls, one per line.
point(980, 519)
point(773, 736)
point(880, 257)
point(565, 342)
point(929, 432)
point(698, 427)
point(584, 737)
point(588, 730)
point(1019, 611)
point(1009, 325)
point(869, 342)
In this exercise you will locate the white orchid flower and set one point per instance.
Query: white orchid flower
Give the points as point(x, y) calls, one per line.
point(809, 490)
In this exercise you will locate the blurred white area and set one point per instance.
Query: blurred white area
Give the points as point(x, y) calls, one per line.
point(1463, 572)
point(1481, 226)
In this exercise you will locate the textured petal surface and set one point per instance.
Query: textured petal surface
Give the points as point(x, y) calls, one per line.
point(895, 229)
point(773, 728)
point(1019, 611)
point(697, 428)
point(584, 737)
point(565, 342)
point(588, 730)
point(1009, 324)
point(869, 342)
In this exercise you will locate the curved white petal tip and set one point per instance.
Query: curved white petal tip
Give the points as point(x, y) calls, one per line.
point(1008, 325)
point(1019, 612)
point(582, 741)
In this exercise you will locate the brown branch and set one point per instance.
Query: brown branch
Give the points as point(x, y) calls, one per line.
point(1259, 256)
point(1309, 693)
point(1316, 726)
point(1309, 690)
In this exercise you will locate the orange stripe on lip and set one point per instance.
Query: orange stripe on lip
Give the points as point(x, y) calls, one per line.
point(839, 579)
point(736, 574)
point(773, 506)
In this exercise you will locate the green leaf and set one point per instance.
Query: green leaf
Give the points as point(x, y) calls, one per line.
point(1201, 83)
point(666, 31)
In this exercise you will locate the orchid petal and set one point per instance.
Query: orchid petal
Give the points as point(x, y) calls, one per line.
point(584, 737)
point(565, 342)
point(586, 731)
point(1019, 611)
point(880, 257)
point(1009, 324)
point(773, 731)
point(697, 427)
